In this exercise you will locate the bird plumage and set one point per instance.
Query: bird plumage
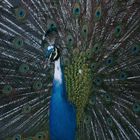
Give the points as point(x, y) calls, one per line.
point(65, 126)
point(99, 41)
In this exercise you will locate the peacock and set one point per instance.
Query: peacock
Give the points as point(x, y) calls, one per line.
point(69, 69)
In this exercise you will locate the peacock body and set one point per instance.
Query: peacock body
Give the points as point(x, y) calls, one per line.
point(65, 126)
point(89, 89)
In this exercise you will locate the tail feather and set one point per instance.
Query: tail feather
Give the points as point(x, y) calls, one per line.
point(100, 44)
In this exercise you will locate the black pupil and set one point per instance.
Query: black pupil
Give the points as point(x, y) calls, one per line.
point(85, 30)
point(109, 61)
point(107, 97)
point(135, 48)
point(98, 13)
point(70, 40)
point(136, 106)
point(25, 68)
point(118, 29)
point(76, 10)
point(19, 42)
point(96, 48)
point(21, 13)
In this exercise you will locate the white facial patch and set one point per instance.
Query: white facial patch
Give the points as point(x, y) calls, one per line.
point(50, 47)
point(56, 53)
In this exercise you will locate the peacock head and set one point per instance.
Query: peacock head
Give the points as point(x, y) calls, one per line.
point(52, 53)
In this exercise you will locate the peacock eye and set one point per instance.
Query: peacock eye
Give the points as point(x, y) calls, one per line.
point(98, 81)
point(26, 109)
point(123, 76)
point(98, 13)
point(85, 30)
point(18, 42)
point(37, 85)
point(135, 49)
point(20, 13)
point(93, 66)
point(93, 100)
point(70, 40)
point(40, 136)
point(17, 137)
point(118, 30)
point(109, 61)
point(7, 89)
point(107, 98)
point(76, 9)
point(97, 47)
point(109, 121)
point(87, 119)
point(136, 107)
point(51, 26)
point(24, 68)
